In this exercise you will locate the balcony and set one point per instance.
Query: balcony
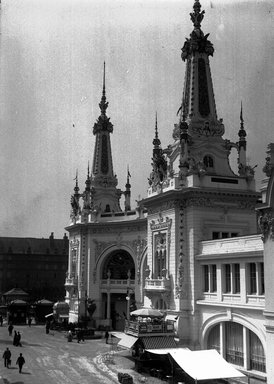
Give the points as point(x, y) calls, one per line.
point(119, 284)
point(151, 327)
point(157, 285)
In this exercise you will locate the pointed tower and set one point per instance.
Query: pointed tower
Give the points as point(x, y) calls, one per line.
point(87, 195)
point(159, 164)
point(193, 193)
point(104, 182)
point(127, 192)
point(242, 145)
point(74, 200)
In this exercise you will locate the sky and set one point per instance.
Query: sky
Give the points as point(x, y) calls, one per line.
point(51, 68)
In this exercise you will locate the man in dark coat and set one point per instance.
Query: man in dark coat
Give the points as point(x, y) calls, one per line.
point(7, 357)
point(20, 362)
point(15, 338)
point(10, 328)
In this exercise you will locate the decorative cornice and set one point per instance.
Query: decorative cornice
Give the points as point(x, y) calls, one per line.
point(160, 224)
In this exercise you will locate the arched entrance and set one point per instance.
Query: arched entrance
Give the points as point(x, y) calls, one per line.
point(118, 271)
point(119, 264)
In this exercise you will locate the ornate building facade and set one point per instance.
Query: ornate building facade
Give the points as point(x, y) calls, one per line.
point(192, 248)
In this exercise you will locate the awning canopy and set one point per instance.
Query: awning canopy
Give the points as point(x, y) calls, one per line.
point(165, 351)
point(158, 342)
point(204, 365)
point(172, 317)
point(127, 341)
point(48, 315)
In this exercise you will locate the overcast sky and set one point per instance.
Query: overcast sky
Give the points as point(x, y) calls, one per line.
point(52, 55)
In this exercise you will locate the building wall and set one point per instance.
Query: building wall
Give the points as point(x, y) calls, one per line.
point(38, 266)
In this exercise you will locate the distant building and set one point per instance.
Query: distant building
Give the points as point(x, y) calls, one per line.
point(37, 266)
point(192, 248)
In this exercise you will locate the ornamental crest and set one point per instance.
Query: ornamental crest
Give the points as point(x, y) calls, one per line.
point(266, 224)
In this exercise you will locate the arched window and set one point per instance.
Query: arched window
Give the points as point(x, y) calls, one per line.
point(118, 264)
point(213, 340)
point(208, 161)
point(257, 355)
point(237, 349)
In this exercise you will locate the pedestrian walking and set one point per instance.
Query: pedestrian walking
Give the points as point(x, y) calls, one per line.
point(29, 321)
point(7, 358)
point(10, 329)
point(106, 337)
point(19, 339)
point(69, 336)
point(1, 320)
point(20, 362)
point(47, 327)
point(15, 338)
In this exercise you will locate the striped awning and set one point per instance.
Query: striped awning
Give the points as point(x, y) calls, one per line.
point(158, 342)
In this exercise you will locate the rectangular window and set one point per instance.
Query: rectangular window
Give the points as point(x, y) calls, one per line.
point(213, 278)
point(215, 235)
point(225, 235)
point(227, 278)
point(252, 279)
point(237, 286)
point(206, 278)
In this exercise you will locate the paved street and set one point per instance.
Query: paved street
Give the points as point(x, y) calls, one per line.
point(50, 359)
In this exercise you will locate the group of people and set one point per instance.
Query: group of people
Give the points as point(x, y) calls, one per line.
point(7, 353)
point(16, 336)
point(7, 360)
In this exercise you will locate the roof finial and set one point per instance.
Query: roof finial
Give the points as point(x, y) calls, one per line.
point(76, 188)
point(104, 104)
point(128, 174)
point(156, 141)
point(242, 132)
point(156, 126)
point(197, 16)
point(241, 115)
point(88, 169)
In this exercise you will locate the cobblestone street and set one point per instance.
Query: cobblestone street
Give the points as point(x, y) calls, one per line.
point(51, 359)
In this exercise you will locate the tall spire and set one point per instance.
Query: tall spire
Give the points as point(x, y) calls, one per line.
point(127, 192)
point(159, 163)
point(104, 181)
point(198, 103)
point(104, 104)
point(242, 132)
point(156, 141)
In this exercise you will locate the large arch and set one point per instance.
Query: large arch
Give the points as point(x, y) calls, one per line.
point(119, 265)
point(236, 318)
point(105, 254)
point(239, 341)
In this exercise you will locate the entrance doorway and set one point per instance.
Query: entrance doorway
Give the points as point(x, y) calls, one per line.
point(118, 311)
